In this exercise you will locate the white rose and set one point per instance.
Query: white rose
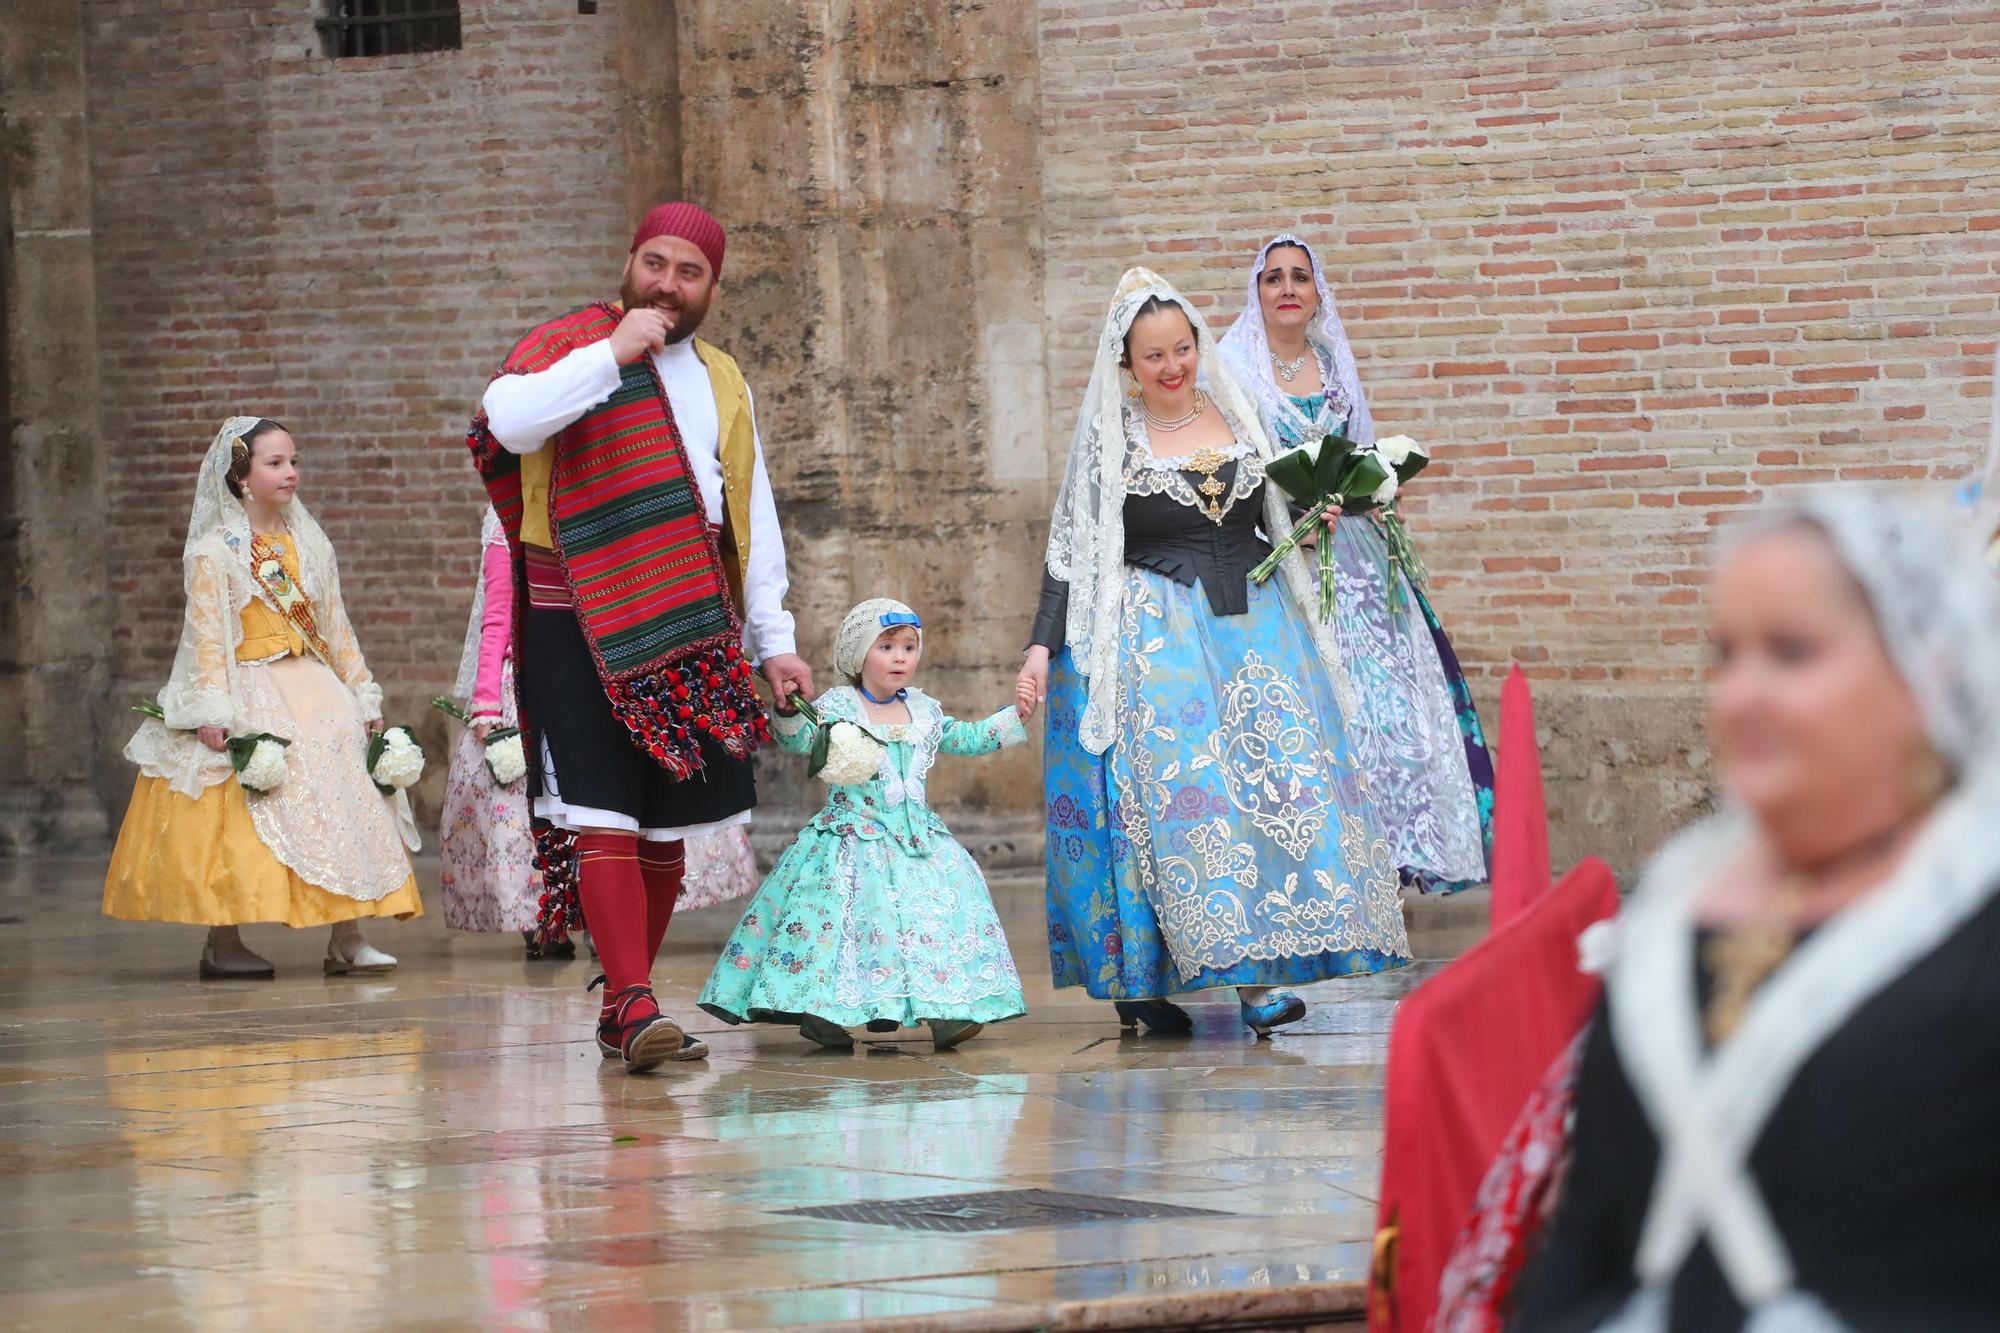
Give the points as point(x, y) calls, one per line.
point(402, 761)
point(1387, 490)
point(852, 756)
point(1397, 450)
point(265, 768)
point(507, 760)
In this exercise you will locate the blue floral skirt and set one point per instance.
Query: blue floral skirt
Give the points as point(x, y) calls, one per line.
point(1225, 837)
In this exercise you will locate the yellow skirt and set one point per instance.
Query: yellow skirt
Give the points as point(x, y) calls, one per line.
point(201, 862)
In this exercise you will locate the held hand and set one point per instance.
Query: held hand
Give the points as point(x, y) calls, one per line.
point(788, 675)
point(481, 730)
point(377, 727)
point(215, 738)
point(1032, 685)
point(642, 331)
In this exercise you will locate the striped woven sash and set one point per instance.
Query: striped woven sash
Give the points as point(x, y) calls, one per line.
point(637, 553)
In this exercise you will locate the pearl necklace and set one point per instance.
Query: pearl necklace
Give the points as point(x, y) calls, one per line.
point(1178, 423)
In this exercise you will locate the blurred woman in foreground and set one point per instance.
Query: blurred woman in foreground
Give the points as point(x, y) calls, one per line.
point(1786, 1106)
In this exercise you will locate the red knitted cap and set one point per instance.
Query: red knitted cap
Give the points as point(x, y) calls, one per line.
point(691, 223)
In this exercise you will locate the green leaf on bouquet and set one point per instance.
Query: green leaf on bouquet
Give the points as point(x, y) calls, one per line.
point(1334, 451)
point(1410, 467)
point(1292, 470)
point(498, 734)
point(1365, 473)
point(822, 741)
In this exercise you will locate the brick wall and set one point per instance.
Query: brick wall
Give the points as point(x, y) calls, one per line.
point(1631, 267)
point(350, 247)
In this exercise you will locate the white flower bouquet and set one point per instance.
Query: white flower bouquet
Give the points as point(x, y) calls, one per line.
point(506, 755)
point(1336, 476)
point(843, 753)
point(257, 758)
point(395, 760)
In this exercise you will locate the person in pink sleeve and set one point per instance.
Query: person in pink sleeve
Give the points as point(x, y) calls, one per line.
point(488, 875)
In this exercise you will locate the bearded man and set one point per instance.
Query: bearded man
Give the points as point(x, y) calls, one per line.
point(621, 453)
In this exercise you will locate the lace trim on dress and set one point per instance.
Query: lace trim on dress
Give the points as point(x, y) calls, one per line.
point(1147, 473)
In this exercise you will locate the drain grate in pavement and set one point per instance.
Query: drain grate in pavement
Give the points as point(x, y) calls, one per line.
point(997, 1210)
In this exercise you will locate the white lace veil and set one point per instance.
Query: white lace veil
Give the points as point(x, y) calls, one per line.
point(1086, 546)
point(1248, 351)
point(1936, 604)
point(462, 685)
point(217, 582)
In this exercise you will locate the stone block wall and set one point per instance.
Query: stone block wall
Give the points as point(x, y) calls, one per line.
point(877, 164)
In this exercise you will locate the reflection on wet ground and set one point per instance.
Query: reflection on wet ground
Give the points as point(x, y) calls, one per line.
point(442, 1146)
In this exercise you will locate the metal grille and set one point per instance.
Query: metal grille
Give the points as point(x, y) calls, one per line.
point(997, 1210)
point(389, 27)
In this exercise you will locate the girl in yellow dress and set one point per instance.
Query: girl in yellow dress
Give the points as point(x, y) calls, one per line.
point(265, 647)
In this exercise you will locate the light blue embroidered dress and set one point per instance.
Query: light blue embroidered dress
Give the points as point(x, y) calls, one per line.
point(875, 912)
point(1225, 838)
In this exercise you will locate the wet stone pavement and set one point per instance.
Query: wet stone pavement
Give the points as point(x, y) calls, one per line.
point(441, 1147)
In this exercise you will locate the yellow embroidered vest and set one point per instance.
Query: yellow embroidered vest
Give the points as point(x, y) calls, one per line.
point(736, 437)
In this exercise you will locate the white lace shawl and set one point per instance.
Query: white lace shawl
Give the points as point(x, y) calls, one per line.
point(202, 689)
point(467, 679)
point(1086, 547)
point(1247, 348)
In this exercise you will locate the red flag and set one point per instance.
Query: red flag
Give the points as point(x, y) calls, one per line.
point(1467, 1049)
point(1520, 811)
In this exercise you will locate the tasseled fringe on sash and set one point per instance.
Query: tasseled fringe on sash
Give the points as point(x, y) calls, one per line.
point(707, 696)
point(561, 910)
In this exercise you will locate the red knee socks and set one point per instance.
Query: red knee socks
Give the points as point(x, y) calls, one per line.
point(614, 908)
point(662, 865)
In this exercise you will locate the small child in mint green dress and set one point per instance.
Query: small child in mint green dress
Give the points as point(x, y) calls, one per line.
point(875, 916)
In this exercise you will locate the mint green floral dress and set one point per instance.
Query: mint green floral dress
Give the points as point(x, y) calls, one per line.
point(875, 913)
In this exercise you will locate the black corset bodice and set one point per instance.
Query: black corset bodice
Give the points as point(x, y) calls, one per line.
point(1172, 529)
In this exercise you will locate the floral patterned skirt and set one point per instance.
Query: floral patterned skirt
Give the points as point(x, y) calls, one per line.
point(853, 928)
point(487, 862)
point(1409, 733)
point(1226, 837)
point(720, 869)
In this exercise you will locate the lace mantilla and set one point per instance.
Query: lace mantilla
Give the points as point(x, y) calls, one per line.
point(204, 689)
point(1248, 351)
point(1086, 546)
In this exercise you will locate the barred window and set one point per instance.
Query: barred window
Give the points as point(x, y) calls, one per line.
point(389, 27)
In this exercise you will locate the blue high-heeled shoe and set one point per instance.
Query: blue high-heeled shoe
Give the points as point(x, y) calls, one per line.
point(1283, 1007)
point(1158, 1016)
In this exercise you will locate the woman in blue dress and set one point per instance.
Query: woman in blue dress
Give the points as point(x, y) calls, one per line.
point(1208, 822)
point(1416, 731)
